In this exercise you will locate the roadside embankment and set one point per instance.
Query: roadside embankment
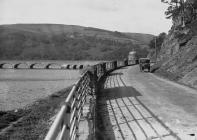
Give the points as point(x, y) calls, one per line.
point(177, 59)
point(33, 121)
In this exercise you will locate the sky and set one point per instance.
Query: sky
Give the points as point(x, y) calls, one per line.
point(141, 16)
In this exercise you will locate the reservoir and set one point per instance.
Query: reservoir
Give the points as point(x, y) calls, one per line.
point(19, 88)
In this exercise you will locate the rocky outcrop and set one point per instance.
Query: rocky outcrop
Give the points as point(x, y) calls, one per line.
point(178, 55)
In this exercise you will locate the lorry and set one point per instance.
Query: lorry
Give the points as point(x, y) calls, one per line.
point(132, 58)
point(144, 63)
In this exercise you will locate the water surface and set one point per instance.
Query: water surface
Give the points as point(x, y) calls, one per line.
point(19, 88)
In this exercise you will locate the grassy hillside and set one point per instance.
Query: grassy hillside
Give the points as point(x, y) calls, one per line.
point(141, 38)
point(68, 42)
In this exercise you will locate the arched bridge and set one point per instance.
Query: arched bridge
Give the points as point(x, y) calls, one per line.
point(20, 65)
point(6, 65)
point(39, 65)
point(53, 66)
point(34, 65)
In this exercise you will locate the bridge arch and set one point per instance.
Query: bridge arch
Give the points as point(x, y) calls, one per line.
point(68, 66)
point(17, 66)
point(80, 67)
point(2, 65)
point(65, 66)
point(32, 66)
point(74, 67)
point(57, 66)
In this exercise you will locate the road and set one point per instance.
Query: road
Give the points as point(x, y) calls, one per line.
point(141, 106)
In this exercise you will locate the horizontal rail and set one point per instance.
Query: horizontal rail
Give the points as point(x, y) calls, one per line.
point(65, 125)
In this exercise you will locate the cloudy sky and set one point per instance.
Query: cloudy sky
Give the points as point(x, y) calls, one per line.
point(143, 16)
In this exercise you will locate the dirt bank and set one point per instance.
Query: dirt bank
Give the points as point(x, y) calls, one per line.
point(32, 122)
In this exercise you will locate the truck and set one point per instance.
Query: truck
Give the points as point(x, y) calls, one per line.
point(132, 58)
point(144, 63)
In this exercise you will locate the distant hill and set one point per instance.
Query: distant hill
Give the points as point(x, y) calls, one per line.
point(142, 39)
point(68, 42)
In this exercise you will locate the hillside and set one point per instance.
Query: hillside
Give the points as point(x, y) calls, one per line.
point(177, 58)
point(142, 39)
point(177, 54)
point(68, 42)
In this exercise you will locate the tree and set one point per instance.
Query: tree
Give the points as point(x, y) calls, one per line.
point(176, 7)
point(159, 41)
point(184, 10)
point(191, 6)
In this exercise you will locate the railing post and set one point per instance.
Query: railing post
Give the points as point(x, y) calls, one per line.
point(126, 62)
point(107, 66)
point(78, 91)
point(115, 64)
point(67, 121)
point(111, 65)
point(95, 76)
point(104, 68)
point(98, 70)
point(101, 70)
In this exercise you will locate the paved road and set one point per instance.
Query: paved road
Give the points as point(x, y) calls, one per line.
point(142, 106)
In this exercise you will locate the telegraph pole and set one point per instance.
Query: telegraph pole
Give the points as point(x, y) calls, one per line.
point(182, 4)
point(155, 49)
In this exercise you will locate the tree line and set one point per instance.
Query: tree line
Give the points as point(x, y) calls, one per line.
point(185, 11)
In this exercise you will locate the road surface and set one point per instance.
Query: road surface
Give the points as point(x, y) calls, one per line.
point(141, 106)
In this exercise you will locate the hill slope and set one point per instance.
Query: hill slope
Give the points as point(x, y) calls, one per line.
point(68, 42)
point(178, 55)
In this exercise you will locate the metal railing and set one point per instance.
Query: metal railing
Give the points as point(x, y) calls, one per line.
point(67, 120)
point(65, 125)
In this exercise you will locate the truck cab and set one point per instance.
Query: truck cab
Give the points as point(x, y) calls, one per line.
point(144, 63)
point(132, 58)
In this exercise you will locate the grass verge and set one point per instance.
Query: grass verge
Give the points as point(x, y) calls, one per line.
point(32, 122)
point(168, 75)
point(172, 77)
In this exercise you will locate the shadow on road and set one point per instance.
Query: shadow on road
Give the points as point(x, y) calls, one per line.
point(119, 92)
point(122, 115)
